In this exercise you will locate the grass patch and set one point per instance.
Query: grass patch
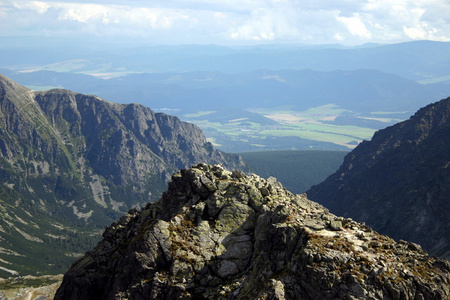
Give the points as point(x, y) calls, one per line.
point(340, 135)
point(28, 281)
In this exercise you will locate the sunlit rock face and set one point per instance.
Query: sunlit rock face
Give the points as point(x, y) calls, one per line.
point(217, 234)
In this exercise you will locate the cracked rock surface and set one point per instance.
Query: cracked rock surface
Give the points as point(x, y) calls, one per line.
point(216, 234)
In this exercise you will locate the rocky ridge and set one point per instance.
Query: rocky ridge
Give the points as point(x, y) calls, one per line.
point(217, 234)
point(399, 181)
point(70, 164)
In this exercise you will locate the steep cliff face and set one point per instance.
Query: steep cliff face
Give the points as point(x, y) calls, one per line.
point(128, 143)
point(71, 163)
point(217, 234)
point(399, 182)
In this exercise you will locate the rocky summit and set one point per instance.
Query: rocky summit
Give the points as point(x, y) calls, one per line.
point(216, 234)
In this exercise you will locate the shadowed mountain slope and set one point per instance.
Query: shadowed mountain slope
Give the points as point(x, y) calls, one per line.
point(399, 182)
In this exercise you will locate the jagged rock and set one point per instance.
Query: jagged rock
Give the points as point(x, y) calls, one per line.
point(244, 237)
point(399, 182)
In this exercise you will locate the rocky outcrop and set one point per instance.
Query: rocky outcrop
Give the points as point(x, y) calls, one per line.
point(217, 234)
point(70, 164)
point(399, 182)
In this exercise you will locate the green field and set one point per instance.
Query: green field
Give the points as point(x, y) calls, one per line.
point(310, 129)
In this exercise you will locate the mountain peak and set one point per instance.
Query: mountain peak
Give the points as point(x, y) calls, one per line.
point(6, 81)
point(14, 92)
point(217, 234)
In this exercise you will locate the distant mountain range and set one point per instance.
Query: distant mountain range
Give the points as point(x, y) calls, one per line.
point(71, 163)
point(418, 60)
point(184, 77)
point(360, 91)
point(399, 182)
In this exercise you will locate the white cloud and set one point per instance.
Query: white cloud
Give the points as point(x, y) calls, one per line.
point(39, 6)
point(99, 19)
point(355, 26)
point(155, 18)
point(214, 21)
point(338, 36)
point(82, 13)
point(423, 31)
point(264, 24)
point(419, 32)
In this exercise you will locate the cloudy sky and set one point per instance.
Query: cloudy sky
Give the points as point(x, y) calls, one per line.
point(348, 22)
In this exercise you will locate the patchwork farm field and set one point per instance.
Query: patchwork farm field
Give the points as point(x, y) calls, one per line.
point(325, 127)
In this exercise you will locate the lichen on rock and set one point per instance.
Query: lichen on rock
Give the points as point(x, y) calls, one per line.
point(217, 234)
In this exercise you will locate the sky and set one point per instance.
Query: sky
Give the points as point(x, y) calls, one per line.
point(346, 22)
